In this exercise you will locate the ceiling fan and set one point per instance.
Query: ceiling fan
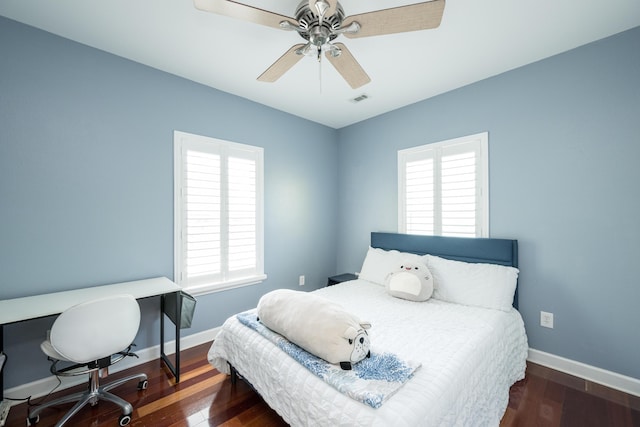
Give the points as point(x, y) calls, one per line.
point(321, 21)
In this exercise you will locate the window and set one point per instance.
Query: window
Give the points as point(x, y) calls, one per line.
point(218, 213)
point(443, 188)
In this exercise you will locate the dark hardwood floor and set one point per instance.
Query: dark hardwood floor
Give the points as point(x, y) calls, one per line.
point(204, 397)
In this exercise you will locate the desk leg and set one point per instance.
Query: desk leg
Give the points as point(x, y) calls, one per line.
point(162, 355)
point(175, 370)
point(2, 367)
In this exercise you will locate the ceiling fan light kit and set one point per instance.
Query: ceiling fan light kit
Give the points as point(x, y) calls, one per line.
point(319, 22)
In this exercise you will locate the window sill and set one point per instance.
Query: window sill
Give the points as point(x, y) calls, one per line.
point(210, 288)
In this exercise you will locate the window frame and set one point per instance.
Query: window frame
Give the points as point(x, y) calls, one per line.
point(477, 142)
point(183, 141)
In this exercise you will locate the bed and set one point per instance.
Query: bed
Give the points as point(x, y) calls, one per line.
point(468, 355)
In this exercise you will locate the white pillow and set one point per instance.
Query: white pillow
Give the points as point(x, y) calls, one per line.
point(481, 285)
point(378, 263)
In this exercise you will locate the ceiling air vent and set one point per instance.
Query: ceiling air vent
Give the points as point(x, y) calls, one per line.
point(360, 98)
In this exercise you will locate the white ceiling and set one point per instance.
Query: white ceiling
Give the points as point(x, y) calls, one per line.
point(476, 40)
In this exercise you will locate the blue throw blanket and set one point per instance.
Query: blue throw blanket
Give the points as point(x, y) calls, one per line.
point(371, 381)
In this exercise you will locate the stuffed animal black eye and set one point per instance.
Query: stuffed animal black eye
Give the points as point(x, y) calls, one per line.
point(350, 341)
point(402, 266)
point(415, 268)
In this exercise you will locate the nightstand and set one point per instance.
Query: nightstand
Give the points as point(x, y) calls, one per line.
point(334, 280)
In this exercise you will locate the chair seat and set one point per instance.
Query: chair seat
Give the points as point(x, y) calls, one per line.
point(48, 349)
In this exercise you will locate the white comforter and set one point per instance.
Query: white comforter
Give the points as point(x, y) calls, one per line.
point(470, 357)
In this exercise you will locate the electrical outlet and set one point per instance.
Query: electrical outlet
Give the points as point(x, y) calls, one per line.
point(546, 319)
point(301, 280)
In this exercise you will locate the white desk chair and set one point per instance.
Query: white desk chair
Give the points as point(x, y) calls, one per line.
point(93, 335)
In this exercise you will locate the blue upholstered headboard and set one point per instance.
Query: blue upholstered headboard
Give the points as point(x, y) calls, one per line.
point(481, 250)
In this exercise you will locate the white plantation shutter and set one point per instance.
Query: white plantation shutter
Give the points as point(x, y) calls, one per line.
point(460, 190)
point(218, 213)
point(420, 196)
point(242, 209)
point(442, 188)
point(202, 204)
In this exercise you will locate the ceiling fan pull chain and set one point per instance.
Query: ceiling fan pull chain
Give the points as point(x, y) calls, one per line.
point(319, 72)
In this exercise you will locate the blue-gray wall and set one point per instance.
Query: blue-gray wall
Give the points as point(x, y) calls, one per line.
point(86, 182)
point(86, 185)
point(564, 149)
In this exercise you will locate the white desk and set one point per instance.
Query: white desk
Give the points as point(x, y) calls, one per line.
point(26, 308)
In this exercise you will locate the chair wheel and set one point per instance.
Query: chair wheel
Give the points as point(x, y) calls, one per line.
point(142, 385)
point(32, 421)
point(124, 419)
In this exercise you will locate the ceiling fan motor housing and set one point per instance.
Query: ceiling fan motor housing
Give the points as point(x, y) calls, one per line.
point(316, 32)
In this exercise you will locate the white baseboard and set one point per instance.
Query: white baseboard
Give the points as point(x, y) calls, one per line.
point(610, 379)
point(43, 386)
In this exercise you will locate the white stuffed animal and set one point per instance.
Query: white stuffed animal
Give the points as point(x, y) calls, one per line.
point(317, 325)
point(412, 281)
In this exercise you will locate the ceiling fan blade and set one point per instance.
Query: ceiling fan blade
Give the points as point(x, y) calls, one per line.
point(348, 67)
point(413, 17)
point(282, 65)
point(245, 12)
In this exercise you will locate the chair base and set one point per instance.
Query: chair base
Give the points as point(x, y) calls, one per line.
point(92, 396)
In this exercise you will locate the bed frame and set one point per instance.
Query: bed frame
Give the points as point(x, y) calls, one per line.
point(478, 250)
